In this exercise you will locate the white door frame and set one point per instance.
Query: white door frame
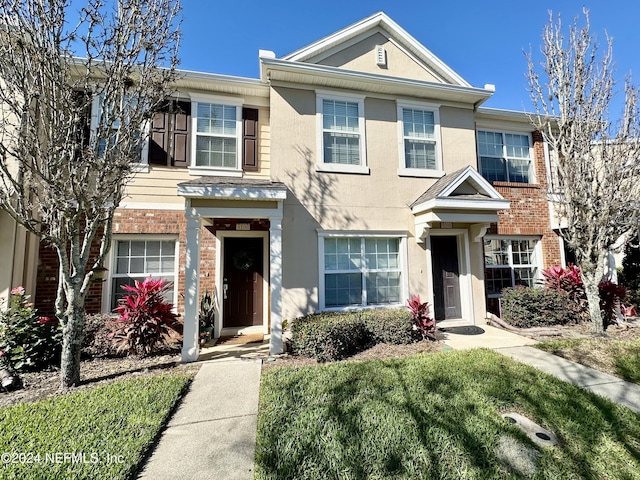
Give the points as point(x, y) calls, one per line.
point(464, 271)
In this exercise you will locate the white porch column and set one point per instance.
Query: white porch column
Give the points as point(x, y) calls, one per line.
point(275, 281)
point(190, 344)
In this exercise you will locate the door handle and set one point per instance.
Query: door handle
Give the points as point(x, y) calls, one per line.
point(225, 288)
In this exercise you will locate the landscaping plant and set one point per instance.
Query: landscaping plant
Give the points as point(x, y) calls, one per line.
point(423, 325)
point(526, 307)
point(27, 341)
point(146, 321)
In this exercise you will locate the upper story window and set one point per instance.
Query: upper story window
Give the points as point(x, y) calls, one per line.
point(419, 132)
point(505, 157)
point(341, 134)
point(217, 138)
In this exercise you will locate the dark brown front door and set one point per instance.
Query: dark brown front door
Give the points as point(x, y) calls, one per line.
point(446, 284)
point(242, 287)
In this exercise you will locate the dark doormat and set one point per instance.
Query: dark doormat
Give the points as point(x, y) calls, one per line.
point(464, 330)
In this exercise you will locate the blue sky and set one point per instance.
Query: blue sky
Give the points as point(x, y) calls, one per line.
point(483, 41)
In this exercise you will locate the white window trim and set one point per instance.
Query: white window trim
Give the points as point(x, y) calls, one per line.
point(537, 257)
point(532, 170)
point(321, 166)
point(143, 165)
point(111, 259)
point(218, 100)
point(403, 267)
point(403, 171)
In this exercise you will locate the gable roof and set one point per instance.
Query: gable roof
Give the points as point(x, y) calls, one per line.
point(463, 189)
point(378, 22)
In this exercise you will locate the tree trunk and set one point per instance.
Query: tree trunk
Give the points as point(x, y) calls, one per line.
point(593, 299)
point(73, 334)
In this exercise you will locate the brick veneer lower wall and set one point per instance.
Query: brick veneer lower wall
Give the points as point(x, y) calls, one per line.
point(129, 221)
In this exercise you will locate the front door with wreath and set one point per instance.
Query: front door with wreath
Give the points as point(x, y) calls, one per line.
point(243, 282)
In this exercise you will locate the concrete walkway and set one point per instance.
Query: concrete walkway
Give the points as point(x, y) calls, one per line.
point(212, 434)
point(520, 349)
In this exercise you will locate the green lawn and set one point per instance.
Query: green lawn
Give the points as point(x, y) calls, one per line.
point(102, 433)
point(434, 416)
point(620, 358)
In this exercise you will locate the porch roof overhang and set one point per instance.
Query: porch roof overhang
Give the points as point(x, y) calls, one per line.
point(462, 197)
point(226, 188)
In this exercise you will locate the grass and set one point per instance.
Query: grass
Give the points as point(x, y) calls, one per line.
point(434, 416)
point(100, 433)
point(616, 357)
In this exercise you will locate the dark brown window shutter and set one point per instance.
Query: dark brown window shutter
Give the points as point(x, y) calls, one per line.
point(169, 139)
point(250, 139)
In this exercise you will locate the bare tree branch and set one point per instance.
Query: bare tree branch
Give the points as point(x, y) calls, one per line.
point(72, 128)
point(598, 174)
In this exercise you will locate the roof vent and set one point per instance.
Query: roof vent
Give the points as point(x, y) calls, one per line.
point(381, 56)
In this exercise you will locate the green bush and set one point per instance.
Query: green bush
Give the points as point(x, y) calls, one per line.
point(334, 336)
point(27, 341)
point(534, 307)
point(391, 326)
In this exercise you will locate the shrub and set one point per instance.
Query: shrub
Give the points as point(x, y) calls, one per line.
point(98, 341)
point(329, 336)
point(392, 326)
point(526, 307)
point(27, 341)
point(145, 321)
point(423, 325)
point(334, 336)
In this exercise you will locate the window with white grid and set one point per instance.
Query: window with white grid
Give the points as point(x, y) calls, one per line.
point(509, 262)
point(362, 271)
point(341, 134)
point(505, 157)
point(139, 258)
point(419, 132)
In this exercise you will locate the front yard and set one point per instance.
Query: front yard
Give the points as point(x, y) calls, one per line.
point(104, 432)
point(435, 416)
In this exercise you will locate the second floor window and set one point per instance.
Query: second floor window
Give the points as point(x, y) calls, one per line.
point(419, 131)
point(505, 157)
point(341, 134)
point(217, 139)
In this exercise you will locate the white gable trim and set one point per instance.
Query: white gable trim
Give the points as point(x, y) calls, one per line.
point(381, 20)
point(477, 180)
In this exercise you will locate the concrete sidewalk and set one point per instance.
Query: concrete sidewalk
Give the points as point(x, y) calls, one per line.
point(212, 434)
point(520, 349)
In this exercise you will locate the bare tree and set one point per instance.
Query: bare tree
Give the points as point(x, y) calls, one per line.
point(72, 128)
point(597, 160)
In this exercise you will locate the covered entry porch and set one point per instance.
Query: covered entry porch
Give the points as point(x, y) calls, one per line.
point(246, 218)
point(451, 219)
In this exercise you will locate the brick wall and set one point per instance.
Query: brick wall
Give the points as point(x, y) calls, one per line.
point(126, 221)
point(529, 212)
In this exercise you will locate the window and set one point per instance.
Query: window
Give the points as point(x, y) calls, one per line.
point(341, 143)
point(217, 136)
point(419, 133)
point(137, 259)
point(359, 272)
point(509, 262)
point(505, 157)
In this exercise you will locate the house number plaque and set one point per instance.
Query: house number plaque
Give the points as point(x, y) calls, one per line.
point(243, 226)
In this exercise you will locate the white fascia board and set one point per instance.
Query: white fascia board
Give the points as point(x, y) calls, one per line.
point(460, 204)
point(478, 181)
point(323, 71)
point(236, 193)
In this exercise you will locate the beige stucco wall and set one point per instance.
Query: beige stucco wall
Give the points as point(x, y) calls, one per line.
point(361, 57)
point(377, 202)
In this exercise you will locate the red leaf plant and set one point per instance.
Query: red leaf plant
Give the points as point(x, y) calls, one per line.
point(146, 321)
point(424, 327)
